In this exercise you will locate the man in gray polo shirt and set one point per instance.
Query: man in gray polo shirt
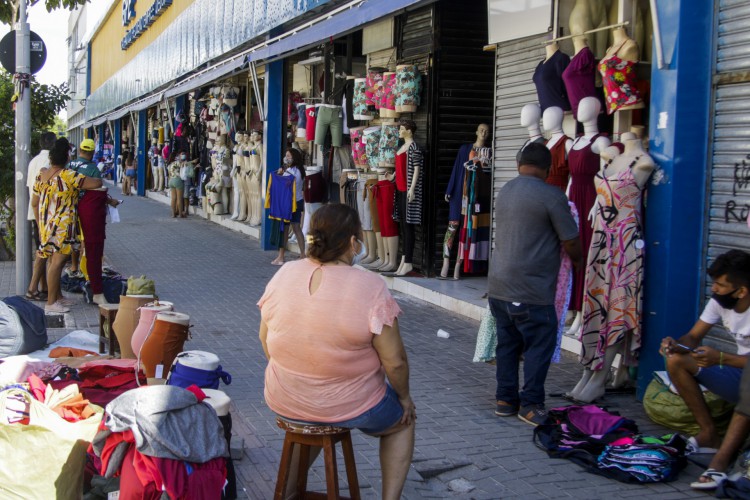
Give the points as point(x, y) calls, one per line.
point(533, 221)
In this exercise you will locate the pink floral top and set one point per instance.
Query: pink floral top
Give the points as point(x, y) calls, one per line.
point(619, 79)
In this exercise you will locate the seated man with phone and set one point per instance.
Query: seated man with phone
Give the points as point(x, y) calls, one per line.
point(691, 364)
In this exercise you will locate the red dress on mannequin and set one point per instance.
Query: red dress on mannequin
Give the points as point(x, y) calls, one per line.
point(584, 165)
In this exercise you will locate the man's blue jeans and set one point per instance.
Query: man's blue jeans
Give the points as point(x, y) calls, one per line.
point(525, 329)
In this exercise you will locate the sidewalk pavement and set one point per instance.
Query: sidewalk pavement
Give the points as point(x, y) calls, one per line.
point(462, 449)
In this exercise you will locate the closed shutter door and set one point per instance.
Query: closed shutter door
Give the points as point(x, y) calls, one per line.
point(514, 67)
point(465, 95)
point(415, 42)
point(730, 161)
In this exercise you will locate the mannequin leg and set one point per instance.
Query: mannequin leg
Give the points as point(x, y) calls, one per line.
point(575, 327)
point(406, 262)
point(235, 199)
point(380, 258)
point(448, 239)
point(225, 199)
point(243, 198)
point(401, 265)
point(391, 248)
point(457, 270)
point(591, 386)
point(372, 247)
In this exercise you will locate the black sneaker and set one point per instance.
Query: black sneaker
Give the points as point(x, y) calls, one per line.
point(504, 409)
point(533, 415)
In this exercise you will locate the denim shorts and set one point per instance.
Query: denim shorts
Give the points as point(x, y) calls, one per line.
point(722, 381)
point(377, 419)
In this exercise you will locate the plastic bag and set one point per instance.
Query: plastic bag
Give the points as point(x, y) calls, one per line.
point(668, 409)
point(46, 458)
point(486, 338)
point(141, 286)
point(113, 213)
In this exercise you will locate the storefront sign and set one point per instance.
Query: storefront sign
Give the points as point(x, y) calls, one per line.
point(128, 11)
point(153, 13)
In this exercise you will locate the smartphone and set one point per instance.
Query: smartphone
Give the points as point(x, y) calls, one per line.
point(690, 349)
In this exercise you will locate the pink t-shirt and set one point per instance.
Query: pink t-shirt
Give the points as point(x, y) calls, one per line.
point(323, 366)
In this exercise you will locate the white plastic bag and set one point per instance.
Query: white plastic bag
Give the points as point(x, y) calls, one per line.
point(113, 213)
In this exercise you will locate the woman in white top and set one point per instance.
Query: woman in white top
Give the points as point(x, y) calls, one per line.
point(292, 165)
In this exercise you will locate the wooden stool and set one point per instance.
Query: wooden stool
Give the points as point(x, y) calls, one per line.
point(326, 437)
point(107, 314)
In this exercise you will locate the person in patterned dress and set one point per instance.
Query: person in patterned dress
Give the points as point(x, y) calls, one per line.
point(55, 202)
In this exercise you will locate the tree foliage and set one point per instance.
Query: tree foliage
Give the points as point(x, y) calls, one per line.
point(9, 8)
point(46, 102)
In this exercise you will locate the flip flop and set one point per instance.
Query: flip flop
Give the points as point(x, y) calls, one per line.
point(715, 478)
point(694, 448)
point(36, 296)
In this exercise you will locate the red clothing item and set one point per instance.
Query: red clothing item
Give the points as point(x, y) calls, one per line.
point(92, 215)
point(401, 181)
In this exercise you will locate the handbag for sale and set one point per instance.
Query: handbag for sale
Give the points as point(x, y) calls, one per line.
point(141, 286)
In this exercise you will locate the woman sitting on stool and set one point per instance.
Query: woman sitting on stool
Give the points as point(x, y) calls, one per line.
point(330, 334)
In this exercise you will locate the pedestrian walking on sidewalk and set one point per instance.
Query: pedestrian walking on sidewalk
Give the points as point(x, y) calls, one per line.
point(330, 353)
point(533, 222)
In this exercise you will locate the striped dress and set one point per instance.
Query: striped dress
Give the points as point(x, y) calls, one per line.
point(414, 159)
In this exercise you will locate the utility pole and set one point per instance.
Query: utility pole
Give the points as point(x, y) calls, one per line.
point(23, 147)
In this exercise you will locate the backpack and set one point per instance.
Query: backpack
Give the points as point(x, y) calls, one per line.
point(606, 444)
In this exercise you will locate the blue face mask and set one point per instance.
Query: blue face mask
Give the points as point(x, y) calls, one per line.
point(361, 254)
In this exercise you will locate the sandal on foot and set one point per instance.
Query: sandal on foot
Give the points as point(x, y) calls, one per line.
point(33, 296)
point(694, 448)
point(714, 478)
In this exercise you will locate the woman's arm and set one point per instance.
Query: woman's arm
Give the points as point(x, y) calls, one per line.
point(392, 356)
point(35, 207)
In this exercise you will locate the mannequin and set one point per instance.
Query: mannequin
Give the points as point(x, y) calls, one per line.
point(370, 239)
point(639, 33)
point(410, 159)
point(314, 186)
point(583, 161)
point(530, 116)
point(587, 15)
point(376, 256)
point(618, 73)
point(580, 75)
point(384, 194)
point(254, 166)
point(239, 200)
point(550, 88)
point(615, 270)
point(163, 343)
point(559, 145)
point(218, 187)
point(148, 314)
point(161, 169)
point(453, 194)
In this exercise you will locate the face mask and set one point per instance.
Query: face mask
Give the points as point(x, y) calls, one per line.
point(361, 254)
point(183, 157)
point(287, 161)
point(726, 300)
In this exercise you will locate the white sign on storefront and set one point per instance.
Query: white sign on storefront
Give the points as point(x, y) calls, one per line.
point(513, 19)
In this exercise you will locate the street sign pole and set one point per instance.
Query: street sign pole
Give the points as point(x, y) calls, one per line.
point(23, 147)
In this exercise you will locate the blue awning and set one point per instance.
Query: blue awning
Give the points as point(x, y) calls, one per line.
point(212, 74)
point(336, 25)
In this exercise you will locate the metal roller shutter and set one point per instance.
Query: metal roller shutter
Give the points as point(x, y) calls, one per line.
point(514, 67)
point(415, 42)
point(465, 95)
point(730, 160)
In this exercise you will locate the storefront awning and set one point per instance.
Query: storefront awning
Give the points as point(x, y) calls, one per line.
point(207, 76)
point(335, 25)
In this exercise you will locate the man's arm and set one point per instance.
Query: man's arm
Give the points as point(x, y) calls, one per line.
point(574, 249)
point(691, 339)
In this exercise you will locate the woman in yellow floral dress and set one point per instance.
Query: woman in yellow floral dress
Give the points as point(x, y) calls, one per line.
point(55, 203)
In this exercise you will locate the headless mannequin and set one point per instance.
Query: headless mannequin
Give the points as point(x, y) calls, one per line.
point(482, 136)
point(638, 31)
point(408, 137)
point(626, 49)
point(588, 110)
point(220, 201)
point(592, 383)
point(550, 49)
point(587, 15)
point(239, 209)
point(254, 165)
point(389, 256)
point(371, 240)
point(242, 177)
point(160, 169)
